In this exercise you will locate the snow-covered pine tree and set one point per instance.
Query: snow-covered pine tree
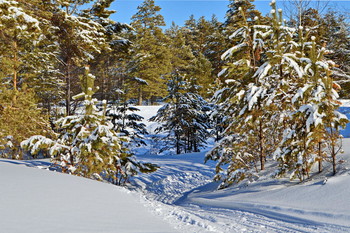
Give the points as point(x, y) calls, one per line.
point(261, 96)
point(236, 61)
point(87, 145)
point(17, 42)
point(21, 61)
point(275, 83)
point(28, 50)
point(239, 146)
point(316, 122)
point(45, 77)
point(337, 36)
point(183, 118)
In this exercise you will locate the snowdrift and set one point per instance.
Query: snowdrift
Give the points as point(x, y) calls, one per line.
point(36, 200)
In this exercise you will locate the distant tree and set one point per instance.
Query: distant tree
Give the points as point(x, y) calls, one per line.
point(150, 54)
point(185, 60)
point(204, 38)
point(182, 55)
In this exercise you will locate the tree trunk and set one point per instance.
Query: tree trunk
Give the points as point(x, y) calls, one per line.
point(178, 151)
point(103, 86)
point(319, 157)
point(261, 146)
point(68, 89)
point(334, 159)
point(140, 97)
point(15, 66)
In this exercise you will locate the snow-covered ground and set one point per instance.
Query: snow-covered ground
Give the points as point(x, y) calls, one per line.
point(38, 200)
point(267, 205)
point(179, 197)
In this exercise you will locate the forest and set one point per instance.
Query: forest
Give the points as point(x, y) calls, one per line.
point(265, 87)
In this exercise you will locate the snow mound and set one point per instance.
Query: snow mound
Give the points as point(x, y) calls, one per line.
point(38, 200)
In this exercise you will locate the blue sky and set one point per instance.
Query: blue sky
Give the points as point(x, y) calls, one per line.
point(180, 10)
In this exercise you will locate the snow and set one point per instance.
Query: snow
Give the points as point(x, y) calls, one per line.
point(179, 197)
point(268, 205)
point(232, 50)
point(17, 12)
point(36, 200)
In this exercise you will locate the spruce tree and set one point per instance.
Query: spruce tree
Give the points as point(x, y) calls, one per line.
point(183, 118)
point(127, 123)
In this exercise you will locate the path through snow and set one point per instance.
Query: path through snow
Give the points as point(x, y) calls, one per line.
point(183, 193)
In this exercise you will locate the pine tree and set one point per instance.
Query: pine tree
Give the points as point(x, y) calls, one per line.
point(104, 64)
point(240, 107)
point(258, 94)
point(87, 145)
point(22, 64)
point(151, 57)
point(20, 118)
point(331, 31)
point(29, 52)
point(182, 56)
point(316, 121)
point(79, 39)
point(216, 46)
point(17, 43)
point(337, 34)
point(204, 37)
point(185, 61)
